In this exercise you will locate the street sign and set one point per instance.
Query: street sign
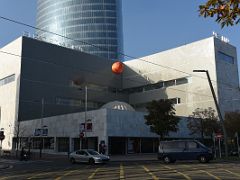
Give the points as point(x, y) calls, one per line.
point(41, 132)
point(2, 136)
point(219, 136)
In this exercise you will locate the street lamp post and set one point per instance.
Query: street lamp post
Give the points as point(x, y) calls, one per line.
point(41, 130)
point(83, 132)
point(218, 109)
point(86, 108)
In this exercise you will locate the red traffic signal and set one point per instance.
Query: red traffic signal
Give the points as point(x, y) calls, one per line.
point(81, 135)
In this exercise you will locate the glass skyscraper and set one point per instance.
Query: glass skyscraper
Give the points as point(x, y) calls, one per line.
point(92, 26)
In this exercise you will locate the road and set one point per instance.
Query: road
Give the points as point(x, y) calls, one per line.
point(139, 170)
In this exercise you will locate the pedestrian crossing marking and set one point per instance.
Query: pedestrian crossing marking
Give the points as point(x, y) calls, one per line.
point(93, 174)
point(121, 172)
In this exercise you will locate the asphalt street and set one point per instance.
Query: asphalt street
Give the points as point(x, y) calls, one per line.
point(139, 170)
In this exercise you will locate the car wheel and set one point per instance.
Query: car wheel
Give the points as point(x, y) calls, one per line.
point(91, 161)
point(72, 160)
point(167, 159)
point(203, 159)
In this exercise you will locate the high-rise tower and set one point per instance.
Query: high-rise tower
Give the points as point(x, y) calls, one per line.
point(95, 25)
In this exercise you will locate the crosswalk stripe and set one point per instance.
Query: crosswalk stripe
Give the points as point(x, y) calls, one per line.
point(93, 174)
point(236, 174)
point(121, 172)
point(150, 173)
point(174, 170)
point(210, 174)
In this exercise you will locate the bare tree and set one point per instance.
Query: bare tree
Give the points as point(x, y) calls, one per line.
point(18, 132)
point(204, 122)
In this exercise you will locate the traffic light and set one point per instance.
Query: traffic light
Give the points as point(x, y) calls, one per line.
point(81, 135)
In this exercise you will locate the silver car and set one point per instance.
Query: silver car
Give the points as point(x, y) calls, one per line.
point(88, 155)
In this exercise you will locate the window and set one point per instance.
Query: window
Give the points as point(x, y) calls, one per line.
point(181, 81)
point(192, 145)
point(49, 143)
point(169, 83)
point(224, 57)
point(174, 145)
point(175, 100)
point(69, 102)
point(7, 79)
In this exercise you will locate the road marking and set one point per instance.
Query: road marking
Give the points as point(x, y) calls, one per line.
point(66, 174)
point(236, 174)
point(150, 173)
point(210, 174)
point(121, 172)
point(174, 170)
point(93, 174)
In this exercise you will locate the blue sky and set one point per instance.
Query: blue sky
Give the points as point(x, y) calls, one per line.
point(149, 26)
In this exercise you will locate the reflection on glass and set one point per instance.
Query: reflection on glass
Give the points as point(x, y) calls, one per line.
point(96, 22)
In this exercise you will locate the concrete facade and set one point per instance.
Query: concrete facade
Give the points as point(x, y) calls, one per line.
point(47, 90)
point(179, 63)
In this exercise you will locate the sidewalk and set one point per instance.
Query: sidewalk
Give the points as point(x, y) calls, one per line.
point(133, 157)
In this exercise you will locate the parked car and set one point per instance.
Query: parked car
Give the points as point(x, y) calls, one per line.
point(170, 151)
point(88, 156)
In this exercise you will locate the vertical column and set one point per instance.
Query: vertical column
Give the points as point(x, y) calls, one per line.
point(55, 145)
point(70, 144)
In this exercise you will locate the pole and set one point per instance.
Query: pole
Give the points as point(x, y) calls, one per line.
point(17, 138)
point(238, 148)
point(1, 148)
point(218, 110)
point(219, 114)
point(214, 145)
point(85, 124)
point(219, 147)
point(41, 143)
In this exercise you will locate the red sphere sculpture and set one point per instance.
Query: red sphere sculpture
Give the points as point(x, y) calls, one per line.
point(117, 67)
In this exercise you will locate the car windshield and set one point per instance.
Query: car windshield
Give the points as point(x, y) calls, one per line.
point(202, 144)
point(92, 152)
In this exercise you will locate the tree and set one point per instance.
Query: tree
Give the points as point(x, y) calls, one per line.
point(227, 12)
point(232, 123)
point(161, 117)
point(18, 132)
point(204, 122)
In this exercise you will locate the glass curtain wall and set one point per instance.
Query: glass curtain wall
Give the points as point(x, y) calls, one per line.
point(94, 25)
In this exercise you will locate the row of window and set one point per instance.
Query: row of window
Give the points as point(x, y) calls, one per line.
point(158, 85)
point(77, 102)
point(92, 27)
point(95, 34)
point(7, 80)
point(100, 48)
point(56, 4)
point(99, 20)
point(176, 100)
point(65, 14)
point(78, 8)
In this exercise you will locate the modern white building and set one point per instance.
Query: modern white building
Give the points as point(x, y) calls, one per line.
point(49, 93)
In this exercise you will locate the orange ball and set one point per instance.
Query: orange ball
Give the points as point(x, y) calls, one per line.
point(117, 67)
